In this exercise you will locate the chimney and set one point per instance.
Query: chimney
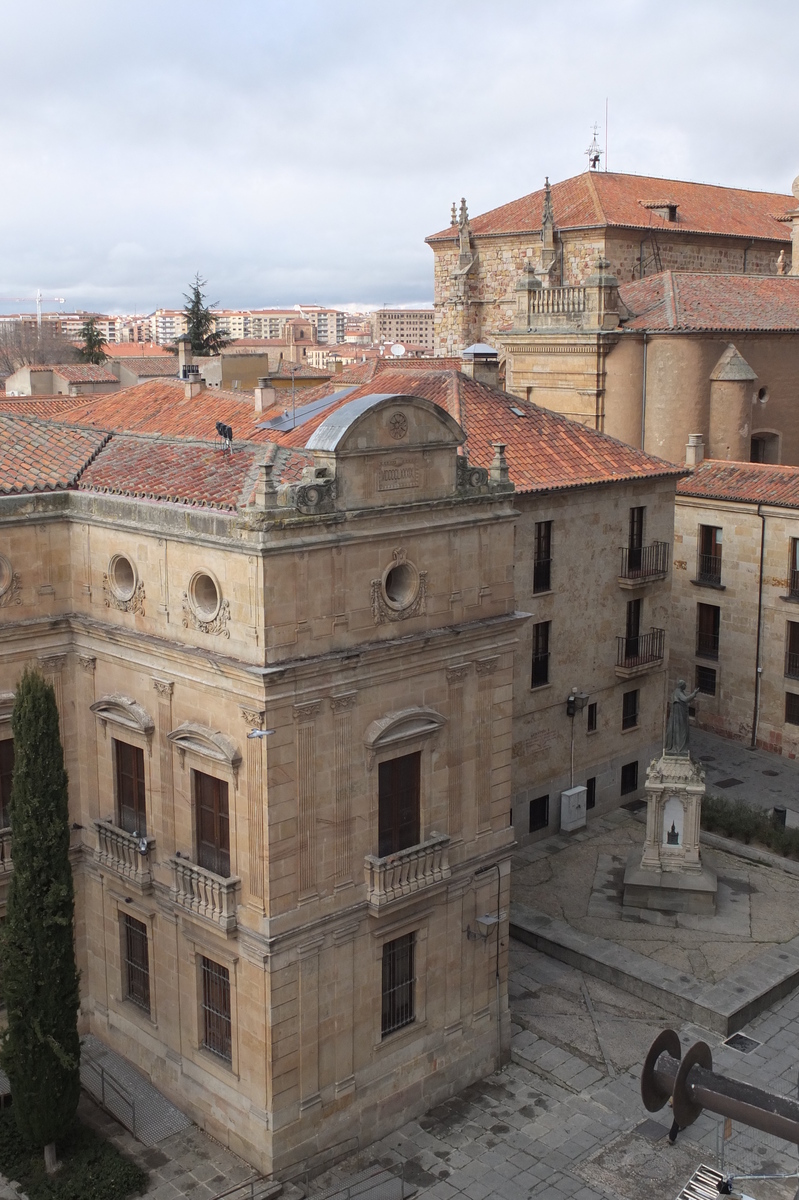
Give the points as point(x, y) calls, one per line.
point(481, 363)
point(695, 450)
point(193, 384)
point(338, 366)
point(185, 357)
point(265, 395)
point(498, 472)
point(265, 491)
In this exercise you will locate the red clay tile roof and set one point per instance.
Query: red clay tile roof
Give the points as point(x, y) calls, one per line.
point(748, 483)
point(683, 300)
point(81, 373)
point(137, 350)
point(597, 199)
point(44, 457)
point(544, 450)
point(44, 407)
point(150, 368)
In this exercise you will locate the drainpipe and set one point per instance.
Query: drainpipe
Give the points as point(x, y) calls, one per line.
point(758, 668)
point(643, 396)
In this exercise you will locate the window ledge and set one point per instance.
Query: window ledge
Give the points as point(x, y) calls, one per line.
point(541, 687)
point(790, 598)
point(717, 587)
point(641, 669)
point(641, 581)
point(404, 1033)
point(547, 592)
point(632, 729)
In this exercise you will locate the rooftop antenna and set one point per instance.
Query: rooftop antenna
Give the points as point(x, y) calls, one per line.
point(593, 152)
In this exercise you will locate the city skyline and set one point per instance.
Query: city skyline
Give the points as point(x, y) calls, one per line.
point(305, 158)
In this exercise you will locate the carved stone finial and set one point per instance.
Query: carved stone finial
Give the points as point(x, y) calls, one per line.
point(454, 214)
point(781, 263)
point(463, 218)
point(499, 472)
point(548, 217)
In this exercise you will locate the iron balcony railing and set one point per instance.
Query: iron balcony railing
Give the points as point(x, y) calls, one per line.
point(793, 583)
point(642, 649)
point(791, 665)
point(644, 562)
point(540, 672)
point(204, 893)
point(708, 568)
point(6, 861)
point(542, 574)
point(707, 645)
point(407, 871)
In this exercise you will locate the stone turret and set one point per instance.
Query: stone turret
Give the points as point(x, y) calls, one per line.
point(731, 407)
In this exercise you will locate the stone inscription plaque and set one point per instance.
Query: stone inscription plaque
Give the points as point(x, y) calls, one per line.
point(396, 475)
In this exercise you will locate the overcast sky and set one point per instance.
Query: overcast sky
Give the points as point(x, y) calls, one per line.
point(301, 151)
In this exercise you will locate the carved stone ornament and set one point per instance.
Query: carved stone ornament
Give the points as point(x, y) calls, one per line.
point(316, 497)
point(124, 711)
point(9, 584)
point(219, 624)
point(344, 702)
point(135, 604)
point(401, 593)
point(253, 718)
point(404, 725)
point(88, 662)
point(206, 742)
point(456, 675)
point(398, 425)
point(486, 666)
point(307, 711)
point(469, 478)
point(164, 687)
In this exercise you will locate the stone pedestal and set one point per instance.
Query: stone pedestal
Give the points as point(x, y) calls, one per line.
point(669, 876)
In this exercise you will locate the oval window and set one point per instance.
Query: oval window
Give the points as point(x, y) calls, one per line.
point(400, 584)
point(6, 575)
point(205, 595)
point(122, 577)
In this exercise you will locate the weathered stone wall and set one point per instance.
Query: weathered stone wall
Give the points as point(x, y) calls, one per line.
point(587, 611)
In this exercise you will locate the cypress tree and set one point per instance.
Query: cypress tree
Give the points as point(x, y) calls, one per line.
point(200, 322)
point(41, 1049)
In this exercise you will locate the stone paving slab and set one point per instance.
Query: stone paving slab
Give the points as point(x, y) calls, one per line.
point(724, 1007)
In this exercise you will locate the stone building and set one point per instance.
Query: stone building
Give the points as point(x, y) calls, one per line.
point(640, 225)
point(289, 756)
point(66, 379)
point(735, 623)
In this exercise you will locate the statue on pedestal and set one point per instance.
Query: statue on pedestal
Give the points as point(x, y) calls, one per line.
point(677, 729)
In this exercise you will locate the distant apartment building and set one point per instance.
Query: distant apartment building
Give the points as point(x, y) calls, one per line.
point(167, 325)
point(72, 324)
point(330, 324)
point(414, 326)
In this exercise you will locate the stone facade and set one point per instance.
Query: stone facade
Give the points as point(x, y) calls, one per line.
point(586, 607)
point(744, 680)
point(321, 616)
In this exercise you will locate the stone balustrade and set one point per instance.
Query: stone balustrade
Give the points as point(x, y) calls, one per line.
point(6, 861)
point(398, 875)
point(558, 300)
point(204, 893)
point(127, 854)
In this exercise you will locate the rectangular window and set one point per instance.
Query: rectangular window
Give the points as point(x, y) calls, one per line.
point(708, 568)
point(543, 556)
point(398, 804)
point(213, 824)
point(6, 774)
point(629, 710)
point(591, 724)
point(539, 813)
point(635, 540)
point(398, 1007)
point(632, 633)
point(708, 623)
point(793, 568)
point(792, 650)
point(216, 1023)
point(131, 809)
point(791, 708)
point(137, 962)
point(705, 680)
point(540, 673)
point(590, 792)
point(629, 778)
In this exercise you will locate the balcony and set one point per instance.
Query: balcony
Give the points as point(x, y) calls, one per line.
point(408, 871)
point(793, 585)
point(708, 570)
point(643, 564)
point(558, 300)
point(207, 895)
point(634, 655)
point(124, 853)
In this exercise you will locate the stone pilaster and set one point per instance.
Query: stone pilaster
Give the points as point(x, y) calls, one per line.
point(256, 807)
point(305, 715)
point(485, 704)
point(308, 955)
point(342, 716)
point(456, 678)
point(164, 689)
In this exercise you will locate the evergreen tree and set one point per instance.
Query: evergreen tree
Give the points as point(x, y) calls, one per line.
point(94, 344)
point(205, 340)
point(41, 1049)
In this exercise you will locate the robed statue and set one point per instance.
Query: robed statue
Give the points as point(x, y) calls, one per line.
point(677, 727)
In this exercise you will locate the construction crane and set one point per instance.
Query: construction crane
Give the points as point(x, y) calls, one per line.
point(31, 299)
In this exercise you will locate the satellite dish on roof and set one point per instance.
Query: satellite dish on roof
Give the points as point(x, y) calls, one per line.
point(398, 350)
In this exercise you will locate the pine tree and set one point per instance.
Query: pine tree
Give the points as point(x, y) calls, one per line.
point(41, 1049)
point(200, 320)
point(94, 344)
